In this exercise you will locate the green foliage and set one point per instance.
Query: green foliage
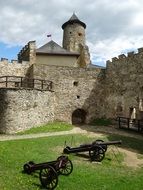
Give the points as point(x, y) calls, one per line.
point(110, 174)
point(101, 122)
point(50, 127)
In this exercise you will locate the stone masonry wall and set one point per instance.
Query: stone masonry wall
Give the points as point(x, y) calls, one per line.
point(74, 88)
point(124, 85)
point(74, 35)
point(23, 109)
point(13, 68)
point(28, 53)
point(26, 57)
point(74, 41)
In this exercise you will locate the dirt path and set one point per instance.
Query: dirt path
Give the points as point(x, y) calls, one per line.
point(131, 159)
point(75, 130)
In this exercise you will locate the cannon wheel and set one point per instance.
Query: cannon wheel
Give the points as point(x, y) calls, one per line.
point(48, 177)
point(103, 146)
point(27, 168)
point(66, 168)
point(97, 154)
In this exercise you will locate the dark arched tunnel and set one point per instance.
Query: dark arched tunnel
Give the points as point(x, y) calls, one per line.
point(79, 116)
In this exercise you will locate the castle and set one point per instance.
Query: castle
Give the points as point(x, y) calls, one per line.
point(59, 83)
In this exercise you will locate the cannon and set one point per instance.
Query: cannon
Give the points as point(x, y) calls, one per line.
point(49, 171)
point(96, 149)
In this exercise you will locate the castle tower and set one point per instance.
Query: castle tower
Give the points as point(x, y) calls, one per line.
point(74, 40)
point(74, 34)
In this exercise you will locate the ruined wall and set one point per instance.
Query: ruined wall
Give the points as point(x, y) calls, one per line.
point(74, 88)
point(13, 68)
point(124, 84)
point(23, 109)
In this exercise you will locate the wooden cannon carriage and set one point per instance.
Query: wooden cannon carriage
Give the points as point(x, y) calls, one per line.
point(49, 171)
point(96, 149)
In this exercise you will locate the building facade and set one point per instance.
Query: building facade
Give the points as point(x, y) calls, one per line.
point(59, 83)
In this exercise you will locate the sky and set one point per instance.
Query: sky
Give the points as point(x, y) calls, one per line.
point(113, 27)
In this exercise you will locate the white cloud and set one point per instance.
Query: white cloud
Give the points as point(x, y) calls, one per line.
point(113, 27)
point(101, 52)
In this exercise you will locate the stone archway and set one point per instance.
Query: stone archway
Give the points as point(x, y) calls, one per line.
point(79, 116)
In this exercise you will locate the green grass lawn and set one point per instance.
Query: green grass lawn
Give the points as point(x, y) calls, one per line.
point(101, 122)
point(50, 127)
point(110, 174)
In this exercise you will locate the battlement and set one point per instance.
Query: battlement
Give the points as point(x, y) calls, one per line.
point(123, 57)
point(5, 61)
point(13, 67)
point(28, 53)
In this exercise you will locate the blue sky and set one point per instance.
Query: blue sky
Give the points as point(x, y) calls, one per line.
point(9, 52)
point(113, 27)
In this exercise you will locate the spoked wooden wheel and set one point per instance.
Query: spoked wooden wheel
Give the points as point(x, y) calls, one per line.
point(66, 168)
point(98, 141)
point(97, 154)
point(49, 178)
point(27, 168)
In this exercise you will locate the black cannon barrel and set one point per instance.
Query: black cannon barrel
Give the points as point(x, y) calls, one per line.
point(88, 147)
point(108, 142)
point(69, 150)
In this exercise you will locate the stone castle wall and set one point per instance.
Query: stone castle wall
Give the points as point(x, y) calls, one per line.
point(108, 92)
point(20, 67)
point(28, 53)
point(124, 84)
point(74, 88)
point(23, 109)
point(13, 68)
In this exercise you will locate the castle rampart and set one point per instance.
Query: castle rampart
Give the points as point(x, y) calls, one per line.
point(28, 53)
point(74, 88)
point(124, 87)
point(125, 58)
point(13, 68)
point(23, 109)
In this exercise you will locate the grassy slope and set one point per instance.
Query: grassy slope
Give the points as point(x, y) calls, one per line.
point(50, 127)
point(108, 175)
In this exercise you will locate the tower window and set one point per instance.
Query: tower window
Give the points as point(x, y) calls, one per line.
point(78, 97)
point(80, 34)
point(70, 32)
point(75, 83)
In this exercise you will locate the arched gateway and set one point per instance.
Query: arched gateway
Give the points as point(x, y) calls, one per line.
point(79, 116)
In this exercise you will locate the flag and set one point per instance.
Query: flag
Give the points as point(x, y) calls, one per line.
point(49, 35)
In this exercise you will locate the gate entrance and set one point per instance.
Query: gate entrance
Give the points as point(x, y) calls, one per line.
point(79, 116)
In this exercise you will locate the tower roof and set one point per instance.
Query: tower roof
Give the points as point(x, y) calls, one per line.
point(55, 49)
point(73, 19)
